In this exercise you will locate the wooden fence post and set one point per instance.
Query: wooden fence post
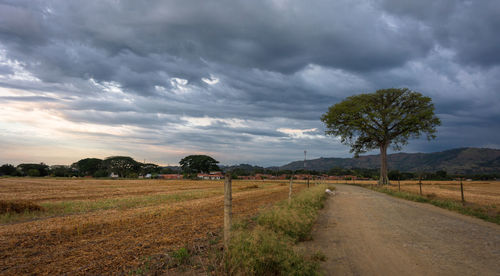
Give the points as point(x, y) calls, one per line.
point(227, 209)
point(290, 190)
point(399, 184)
point(420, 183)
point(462, 190)
point(307, 181)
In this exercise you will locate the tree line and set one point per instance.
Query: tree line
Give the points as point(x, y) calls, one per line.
point(122, 166)
point(127, 167)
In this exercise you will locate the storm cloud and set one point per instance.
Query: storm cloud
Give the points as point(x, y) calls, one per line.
point(245, 81)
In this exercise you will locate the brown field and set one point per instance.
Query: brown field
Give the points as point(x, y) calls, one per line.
point(481, 196)
point(485, 193)
point(477, 194)
point(110, 226)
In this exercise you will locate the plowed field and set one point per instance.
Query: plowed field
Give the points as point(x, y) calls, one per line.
point(116, 223)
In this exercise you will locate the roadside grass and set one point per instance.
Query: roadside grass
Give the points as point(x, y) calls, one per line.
point(296, 219)
point(58, 208)
point(475, 210)
point(266, 247)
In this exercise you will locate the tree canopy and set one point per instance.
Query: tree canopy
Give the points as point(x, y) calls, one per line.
point(121, 165)
point(88, 166)
point(387, 117)
point(33, 169)
point(8, 169)
point(198, 164)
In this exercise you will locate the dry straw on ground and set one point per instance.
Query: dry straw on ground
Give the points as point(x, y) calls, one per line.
point(116, 240)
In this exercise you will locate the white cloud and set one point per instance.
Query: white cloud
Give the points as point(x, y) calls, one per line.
point(212, 80)
point(176, 82)
point(300, 133)
point(160, 88)
point(17, 67)
point(180, 86)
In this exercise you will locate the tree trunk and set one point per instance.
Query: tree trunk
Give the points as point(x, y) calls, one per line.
point(384, 180)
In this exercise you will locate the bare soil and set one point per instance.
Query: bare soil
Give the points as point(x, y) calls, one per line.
point(363, 232)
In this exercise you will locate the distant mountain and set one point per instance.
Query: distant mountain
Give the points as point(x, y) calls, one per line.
point(454, 161)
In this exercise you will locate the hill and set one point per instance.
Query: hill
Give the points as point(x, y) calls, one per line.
point(454, 161)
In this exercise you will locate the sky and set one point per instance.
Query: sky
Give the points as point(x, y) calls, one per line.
point(241, 81)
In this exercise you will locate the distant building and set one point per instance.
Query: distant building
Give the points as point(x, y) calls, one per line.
point(172, 176)
point(211, 176)
point(262, 176)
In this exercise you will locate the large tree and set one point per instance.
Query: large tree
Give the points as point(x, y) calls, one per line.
point(87, 166)
point(388, 117)
point(8, 169)
point(149, 168)
point(198, 164)
point(121, 165)
point(33, 169)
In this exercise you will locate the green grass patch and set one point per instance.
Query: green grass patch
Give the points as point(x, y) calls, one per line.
point(297, 218)
point(263, 251)
point(466, 209)
point(268, 247)
point(180, 256)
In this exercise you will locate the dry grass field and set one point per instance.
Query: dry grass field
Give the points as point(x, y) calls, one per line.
point(90, 226)
point(481, 195)
point(484, 193)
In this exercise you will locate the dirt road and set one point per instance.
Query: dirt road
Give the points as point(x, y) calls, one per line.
point(363, 232)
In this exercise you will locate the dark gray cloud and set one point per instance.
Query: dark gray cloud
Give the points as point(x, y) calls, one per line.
point(225, 76)
point(466, 27)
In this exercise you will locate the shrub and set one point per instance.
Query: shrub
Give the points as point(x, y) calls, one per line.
point(18, 207)
point(132, 175)
point(431, 196)
point(33, 172)
point(297, 218)
point(180, 256)
point(268, 248)
point(265, 252)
